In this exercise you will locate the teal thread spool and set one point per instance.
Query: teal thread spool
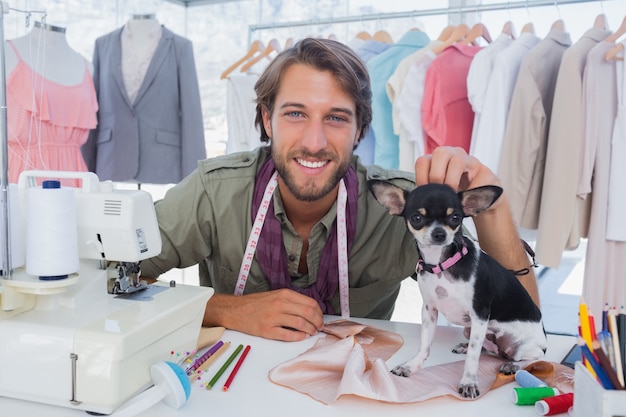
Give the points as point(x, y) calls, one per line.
point(530, 395)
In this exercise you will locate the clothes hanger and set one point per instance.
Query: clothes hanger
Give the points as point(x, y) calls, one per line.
point(509, 29)
point(272, 46)
point(446, 33)
point(256, 46)
point(457, 35)
point(528, 28)
point(559, 25)
point(479, 30)
point(364, 35)
point(383, 36)
point(600, 22)
point(288, 43)
point(614, 53)
point(618, 33)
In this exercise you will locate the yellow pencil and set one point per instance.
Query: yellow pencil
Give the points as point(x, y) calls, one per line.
point(585, 330)
point(208, 362)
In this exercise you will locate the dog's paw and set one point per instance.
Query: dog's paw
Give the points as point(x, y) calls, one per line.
point(402, 370)
point(509, 368)
point(461, 348)
point(469, 390)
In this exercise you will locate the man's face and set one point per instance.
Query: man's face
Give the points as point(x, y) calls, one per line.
point(313, 131)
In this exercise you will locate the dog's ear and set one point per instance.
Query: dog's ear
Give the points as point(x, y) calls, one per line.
point(392, 197)
point(478, 199)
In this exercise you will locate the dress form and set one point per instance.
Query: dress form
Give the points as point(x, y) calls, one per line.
point(140, 39)
point(46, 51)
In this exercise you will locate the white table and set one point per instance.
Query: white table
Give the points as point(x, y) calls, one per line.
point(252, 394)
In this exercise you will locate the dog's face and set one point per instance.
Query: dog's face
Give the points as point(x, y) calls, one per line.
point(433, 212)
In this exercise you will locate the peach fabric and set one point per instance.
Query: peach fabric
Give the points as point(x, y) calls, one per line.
point(447, 115)
point(47, 122)
point(350, 360)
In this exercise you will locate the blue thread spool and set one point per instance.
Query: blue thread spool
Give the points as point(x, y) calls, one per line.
point(527, 380)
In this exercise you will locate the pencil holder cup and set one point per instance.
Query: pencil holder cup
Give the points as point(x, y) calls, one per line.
point(591, 399)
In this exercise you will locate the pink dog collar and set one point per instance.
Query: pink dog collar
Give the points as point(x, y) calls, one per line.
point(439, 268)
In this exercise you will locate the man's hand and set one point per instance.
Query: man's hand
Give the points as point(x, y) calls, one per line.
point(281, 314)
point(453, 166)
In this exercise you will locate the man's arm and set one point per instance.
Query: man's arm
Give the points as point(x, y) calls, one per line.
point(497, 233)
point(281, 314)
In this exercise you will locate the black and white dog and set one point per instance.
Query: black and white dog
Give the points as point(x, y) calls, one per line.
point(469, 287)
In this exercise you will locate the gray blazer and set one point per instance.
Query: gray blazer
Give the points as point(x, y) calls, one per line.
point(159, 137)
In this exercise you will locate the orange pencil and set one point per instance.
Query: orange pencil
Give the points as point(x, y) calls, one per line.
point(236, 368)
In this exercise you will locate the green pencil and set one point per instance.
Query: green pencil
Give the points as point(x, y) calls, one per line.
point(224, 367)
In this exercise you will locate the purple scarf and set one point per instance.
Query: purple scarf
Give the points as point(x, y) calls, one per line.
point(271, 252)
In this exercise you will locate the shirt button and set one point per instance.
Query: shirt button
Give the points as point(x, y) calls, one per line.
point(292, 257)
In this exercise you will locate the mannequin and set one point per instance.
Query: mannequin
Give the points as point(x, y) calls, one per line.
point(140, 38)
point(51, 102)
point(46, 51)
point(150, 125)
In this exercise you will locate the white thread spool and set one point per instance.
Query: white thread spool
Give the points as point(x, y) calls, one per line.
point(51, 237)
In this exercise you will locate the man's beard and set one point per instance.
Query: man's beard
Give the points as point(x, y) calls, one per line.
point(309, 191)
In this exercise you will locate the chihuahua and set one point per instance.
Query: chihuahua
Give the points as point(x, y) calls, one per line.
point(456, 278)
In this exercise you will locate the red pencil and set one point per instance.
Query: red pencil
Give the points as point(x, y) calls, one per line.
point(236, 369)
point(592, 327)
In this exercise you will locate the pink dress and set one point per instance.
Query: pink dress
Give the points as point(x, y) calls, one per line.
point(47, 122)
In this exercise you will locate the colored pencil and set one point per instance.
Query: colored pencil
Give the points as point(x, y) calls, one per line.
point(605, 318)
point(224, 367)
point(208, 362)
point(616, 345)
point(591, 360)
point(592, 326)
point(604, 362)
point(621, 331)
point(585, 329)
point(236, 368)
point(198, 362)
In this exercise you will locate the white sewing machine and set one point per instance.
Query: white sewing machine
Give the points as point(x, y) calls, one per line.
point(88, 341)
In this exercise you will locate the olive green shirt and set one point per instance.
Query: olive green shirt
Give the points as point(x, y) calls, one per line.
point(207, 219)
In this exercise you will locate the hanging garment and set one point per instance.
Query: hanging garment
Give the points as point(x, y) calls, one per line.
point(409, 110)
point(405, 89)
point(380, 69)
point(47, 122)
point(605, 260)
point(157, 138)
point(478, 78)
point(366, 51)
point(243, 135)
point(522, 159)
point(447, 116)
point(615, 225)
point(563, 217)
point(487, 142)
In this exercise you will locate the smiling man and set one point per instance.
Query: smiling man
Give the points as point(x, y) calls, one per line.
point(289, 232)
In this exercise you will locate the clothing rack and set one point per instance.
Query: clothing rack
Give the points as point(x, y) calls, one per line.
point(5, 238)
point(414, 13)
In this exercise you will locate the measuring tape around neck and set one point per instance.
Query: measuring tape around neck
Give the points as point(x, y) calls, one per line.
point(342, 243)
